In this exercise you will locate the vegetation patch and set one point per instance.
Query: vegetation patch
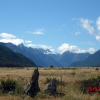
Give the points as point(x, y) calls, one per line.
point(90, 85)
point(10, 86)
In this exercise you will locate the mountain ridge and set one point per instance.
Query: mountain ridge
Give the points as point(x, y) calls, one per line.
point(33, 54)
point(68, 57)
point(10, 58)
point(42, 58)
point(92, 60)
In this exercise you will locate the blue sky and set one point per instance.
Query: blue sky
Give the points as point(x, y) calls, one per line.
point(58, 25)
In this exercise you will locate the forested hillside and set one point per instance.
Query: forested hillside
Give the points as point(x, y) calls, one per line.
point(8, 58)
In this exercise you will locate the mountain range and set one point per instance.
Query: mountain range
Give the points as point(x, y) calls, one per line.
point(92, 60)
point(38, 55)
point(68, 57)
point(42, 57)
point(9, 58)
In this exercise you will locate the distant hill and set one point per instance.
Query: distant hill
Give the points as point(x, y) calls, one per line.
point(38, 55)
point(28, 52)
point(68, 57)
point(49, 59)
point(9, 58)
point(93, 60)
point(45, 58)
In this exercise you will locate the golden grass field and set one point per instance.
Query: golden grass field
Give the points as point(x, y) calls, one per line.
point(71, 89)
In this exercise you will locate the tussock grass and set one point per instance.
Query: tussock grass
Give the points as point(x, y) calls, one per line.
point(71, 90)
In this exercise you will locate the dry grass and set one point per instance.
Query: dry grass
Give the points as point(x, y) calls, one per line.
point(71, 89)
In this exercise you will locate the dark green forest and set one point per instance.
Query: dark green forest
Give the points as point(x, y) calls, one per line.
point(9, 58)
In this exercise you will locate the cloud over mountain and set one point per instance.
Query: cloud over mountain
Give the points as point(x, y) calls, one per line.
point(73, 48)
point(5, 37)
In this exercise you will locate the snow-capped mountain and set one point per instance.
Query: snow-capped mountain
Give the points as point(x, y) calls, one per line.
point(45, 57)
point(40, 56)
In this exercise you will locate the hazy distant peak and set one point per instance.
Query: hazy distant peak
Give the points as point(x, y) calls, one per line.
point(21, 45)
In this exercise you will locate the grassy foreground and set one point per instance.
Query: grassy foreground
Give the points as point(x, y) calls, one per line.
point(69, 76)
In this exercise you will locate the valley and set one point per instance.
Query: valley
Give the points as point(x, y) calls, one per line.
point(71, 89)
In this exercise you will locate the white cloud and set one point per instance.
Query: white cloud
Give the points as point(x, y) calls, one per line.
point(45, 46)
point(91, 50)
point(73, 48)
point(98, 23)
point(86, 24)
point(28, 41)
point(31, 45)
point(52, 51)
point(66, 47)
point(38, 31)
point(14, 41)
point(98, 37)
point(5, 37)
